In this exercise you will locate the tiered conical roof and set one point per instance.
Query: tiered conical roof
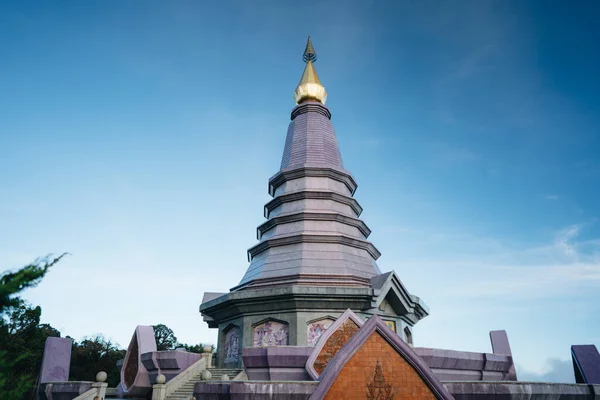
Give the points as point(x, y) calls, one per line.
point(312, 235)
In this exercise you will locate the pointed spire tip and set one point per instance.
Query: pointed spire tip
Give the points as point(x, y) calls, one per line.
point(309, 52)
point(310, 88)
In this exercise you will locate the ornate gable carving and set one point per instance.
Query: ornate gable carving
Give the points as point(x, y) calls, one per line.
point(377, 364)
point(379, 389)
point(331, 341)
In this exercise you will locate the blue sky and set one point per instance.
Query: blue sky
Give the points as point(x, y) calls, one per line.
point(139, 136)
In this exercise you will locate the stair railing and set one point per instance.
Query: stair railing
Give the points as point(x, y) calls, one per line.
point(161, 391)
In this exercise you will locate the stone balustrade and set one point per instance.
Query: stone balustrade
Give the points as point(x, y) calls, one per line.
point(98, 390)
point(161, 390)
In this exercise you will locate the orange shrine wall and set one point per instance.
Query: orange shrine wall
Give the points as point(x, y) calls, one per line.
point(395, 379)
point(334, 343)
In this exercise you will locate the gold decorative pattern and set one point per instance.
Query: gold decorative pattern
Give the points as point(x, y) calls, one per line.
point(334, 343)
point(391, 324)
point(378, 389)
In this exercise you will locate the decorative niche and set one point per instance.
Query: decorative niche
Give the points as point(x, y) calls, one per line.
point(270, 333)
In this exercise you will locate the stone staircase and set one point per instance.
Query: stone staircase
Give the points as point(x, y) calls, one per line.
point(186, 392)
point(217, 373)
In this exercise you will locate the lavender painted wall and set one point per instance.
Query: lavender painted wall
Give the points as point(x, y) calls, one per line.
point(168, 363)
point(451, 365)
point(56, 360)
point(586, 364)
point(254, 390)
point(276, 363)
point(62, 390)
point(135, 380)
point(500, 345)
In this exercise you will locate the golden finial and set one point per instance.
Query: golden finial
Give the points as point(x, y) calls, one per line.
point(310, 88)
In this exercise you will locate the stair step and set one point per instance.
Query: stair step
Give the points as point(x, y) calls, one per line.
point(186, 391)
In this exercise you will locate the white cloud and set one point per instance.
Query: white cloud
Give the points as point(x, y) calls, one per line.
point(553, 197)
point(558, 371)
point(564, 240)
point(488, 268)
point(475, 283)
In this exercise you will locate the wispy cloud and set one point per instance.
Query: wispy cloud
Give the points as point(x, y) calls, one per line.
point(564, 240)
point(488, 268)
point(552, 197)
point(475, 282)
point(558, 371)
point(474, 61)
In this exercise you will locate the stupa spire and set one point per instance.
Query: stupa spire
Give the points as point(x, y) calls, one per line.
point(309, 52)
point(310, 88)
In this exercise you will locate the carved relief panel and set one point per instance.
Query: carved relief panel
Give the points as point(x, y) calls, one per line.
point(232, 345)
point(315, 329)
point(271, 333)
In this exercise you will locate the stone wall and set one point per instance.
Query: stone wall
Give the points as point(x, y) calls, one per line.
point(459, 390)
point(296, 326)
point(522, 391)
point(285, 363)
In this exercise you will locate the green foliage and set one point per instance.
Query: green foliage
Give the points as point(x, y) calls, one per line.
point(21, 334)
point(196, 348)
point(165, 338)
point(12, 283)
point(95, 354)
point(23, 339)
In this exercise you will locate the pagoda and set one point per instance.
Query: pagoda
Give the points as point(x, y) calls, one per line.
point(313, 260)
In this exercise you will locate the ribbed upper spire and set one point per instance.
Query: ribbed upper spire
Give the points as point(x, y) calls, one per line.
point(312, 235)
point(311, 140)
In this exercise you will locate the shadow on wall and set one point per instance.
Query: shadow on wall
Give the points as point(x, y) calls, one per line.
point(560, 371)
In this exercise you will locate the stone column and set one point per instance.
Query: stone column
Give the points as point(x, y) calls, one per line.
point(100, 385)
point(207, 355)
point(159, 390)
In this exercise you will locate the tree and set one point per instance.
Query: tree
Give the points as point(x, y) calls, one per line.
point(165, 338)
point(23, 338)
point(29, 276)
point(21, 334)
point(95, 354)
point(195, 348)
